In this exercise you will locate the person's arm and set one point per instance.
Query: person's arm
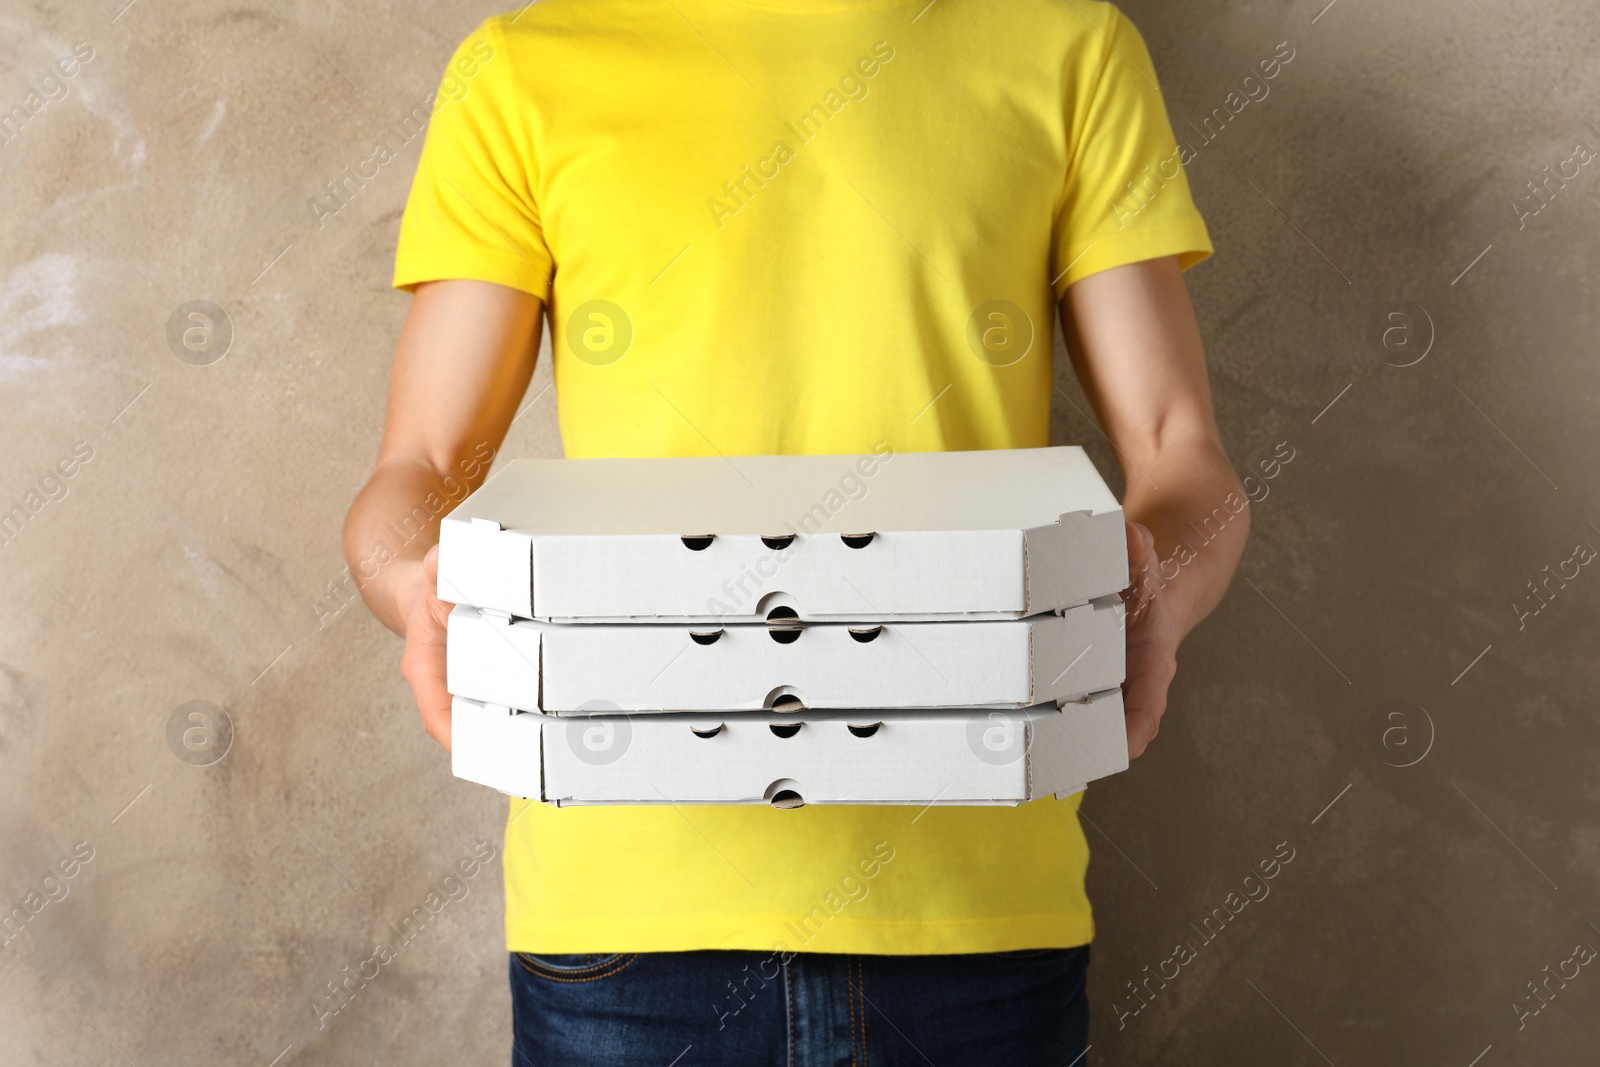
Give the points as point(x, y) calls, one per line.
point(1136, 348)
point(464, 359)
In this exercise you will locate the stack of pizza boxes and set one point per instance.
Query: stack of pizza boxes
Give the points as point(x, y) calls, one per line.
point(887, 628)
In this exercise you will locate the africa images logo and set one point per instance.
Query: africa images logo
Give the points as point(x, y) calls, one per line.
point(599, 332)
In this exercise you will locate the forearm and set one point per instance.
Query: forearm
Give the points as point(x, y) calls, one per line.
point(1136, 347)
point(1188, 496)
point(391, 526)
point(464, 359)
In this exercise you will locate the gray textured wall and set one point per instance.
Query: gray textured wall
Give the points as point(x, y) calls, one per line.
point(1367, 693)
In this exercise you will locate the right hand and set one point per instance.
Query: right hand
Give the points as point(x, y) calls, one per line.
point(1152, 635)
point(423, 662)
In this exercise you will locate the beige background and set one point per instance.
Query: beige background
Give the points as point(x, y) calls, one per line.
point(191, 555)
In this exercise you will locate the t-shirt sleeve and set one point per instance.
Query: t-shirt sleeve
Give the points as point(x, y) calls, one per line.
point(1126, 197)
point(471, 213)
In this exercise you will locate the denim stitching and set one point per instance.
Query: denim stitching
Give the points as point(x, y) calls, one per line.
point(579, 977)
point(548, 977)
point(850, 1004)
point(789, 988)
point(591, 962)
point(861, 984)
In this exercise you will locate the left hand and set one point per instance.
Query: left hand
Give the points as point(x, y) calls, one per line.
point(1154, 629)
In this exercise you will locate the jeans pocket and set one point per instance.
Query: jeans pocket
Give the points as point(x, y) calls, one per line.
point(576, 967)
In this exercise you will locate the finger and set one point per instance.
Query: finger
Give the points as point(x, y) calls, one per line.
point(436, 614)
point(423, 666)
point(433, 702)
point(1141, 543)
point(428, 690)
point(1144, 702)
point(1141, 558)
point(1142, 729)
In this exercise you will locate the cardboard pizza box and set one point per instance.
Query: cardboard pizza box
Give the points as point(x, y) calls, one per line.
point(564, 669)
point(998, 534)
point(919, 758)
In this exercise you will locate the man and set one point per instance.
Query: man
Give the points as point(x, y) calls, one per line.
point(803, 226)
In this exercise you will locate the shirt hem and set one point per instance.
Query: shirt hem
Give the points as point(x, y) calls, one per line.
point(814, 7)
point(755, 932)
point(445, 264)
point(1189, 241)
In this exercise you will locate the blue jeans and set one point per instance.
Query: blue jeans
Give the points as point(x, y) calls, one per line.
point(756, 1009)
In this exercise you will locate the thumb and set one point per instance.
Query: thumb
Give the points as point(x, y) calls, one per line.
point(1140, 540)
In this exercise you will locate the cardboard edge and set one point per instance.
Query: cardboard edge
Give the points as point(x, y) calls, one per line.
point(1091, 746)
point(1041, 681)
point(1094, 551)
point(485, 566)
point(494, 764)
point(493, 658)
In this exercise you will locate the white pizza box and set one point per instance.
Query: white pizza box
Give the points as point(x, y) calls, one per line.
point(565, 669)
point(996, 534)
point(846, 757)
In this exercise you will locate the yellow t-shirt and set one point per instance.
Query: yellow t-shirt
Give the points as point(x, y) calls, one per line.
point(798, 226)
